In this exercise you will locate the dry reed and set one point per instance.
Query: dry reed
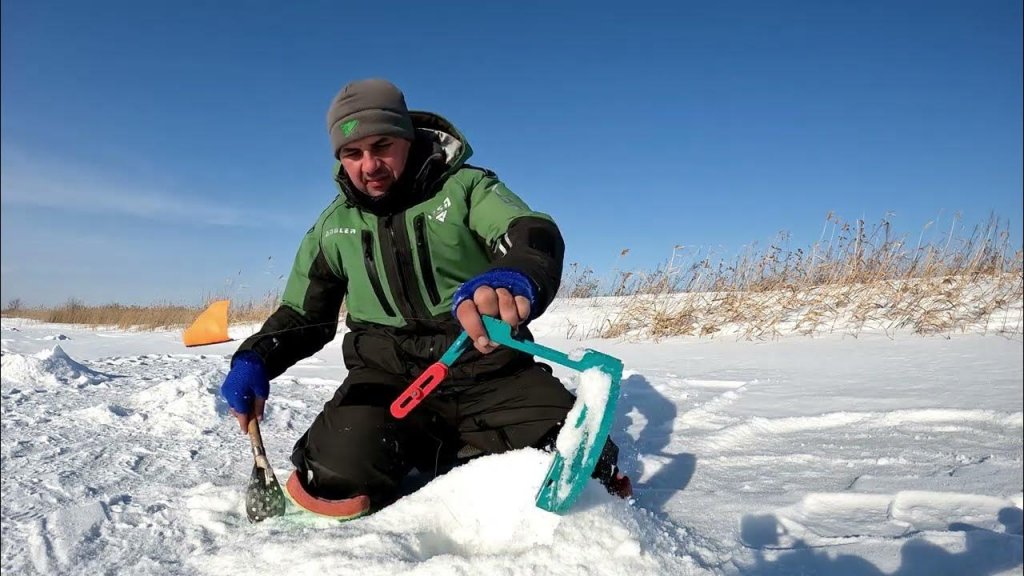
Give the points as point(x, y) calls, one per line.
point(852, 279)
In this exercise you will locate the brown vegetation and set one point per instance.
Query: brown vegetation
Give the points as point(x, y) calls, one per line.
point(137, 317)
point(853, 278)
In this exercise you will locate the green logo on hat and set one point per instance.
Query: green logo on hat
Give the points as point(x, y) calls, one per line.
point(347, 128)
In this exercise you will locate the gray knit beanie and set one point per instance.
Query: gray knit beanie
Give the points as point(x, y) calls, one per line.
point(372, 107)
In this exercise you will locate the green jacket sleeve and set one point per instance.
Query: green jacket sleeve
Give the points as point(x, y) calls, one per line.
point(518, 237)
point(307, 318)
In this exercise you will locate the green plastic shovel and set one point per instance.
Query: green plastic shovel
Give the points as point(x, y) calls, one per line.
point(580, 441)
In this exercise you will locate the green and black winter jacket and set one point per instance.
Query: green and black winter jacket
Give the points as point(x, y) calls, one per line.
point(398, 261)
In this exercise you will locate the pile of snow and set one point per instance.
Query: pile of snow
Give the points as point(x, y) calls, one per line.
point(825, 519)
point(183, 406)
point(48, 367)
point(242, 330)
point(52, 543)
point(478, 519)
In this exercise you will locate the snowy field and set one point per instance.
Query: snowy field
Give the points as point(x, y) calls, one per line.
point(880, 454)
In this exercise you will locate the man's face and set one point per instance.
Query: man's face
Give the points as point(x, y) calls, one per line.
point(375, 163)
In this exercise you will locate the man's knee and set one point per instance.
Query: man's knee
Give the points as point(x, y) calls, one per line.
point(351, 450)
point(516, 411)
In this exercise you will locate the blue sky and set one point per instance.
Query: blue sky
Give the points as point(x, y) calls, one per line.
point(168, 151)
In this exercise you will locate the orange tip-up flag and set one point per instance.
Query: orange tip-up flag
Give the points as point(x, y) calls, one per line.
point(210, 327)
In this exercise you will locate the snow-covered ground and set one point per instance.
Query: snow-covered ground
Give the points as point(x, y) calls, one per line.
point(880, 454)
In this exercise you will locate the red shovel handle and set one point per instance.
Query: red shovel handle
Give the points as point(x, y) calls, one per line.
point(418, 390)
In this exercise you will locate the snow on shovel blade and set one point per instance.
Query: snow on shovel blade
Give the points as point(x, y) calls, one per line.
point(264, 497)
point(582, 438)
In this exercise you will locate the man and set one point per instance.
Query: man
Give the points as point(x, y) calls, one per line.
point(420, 244)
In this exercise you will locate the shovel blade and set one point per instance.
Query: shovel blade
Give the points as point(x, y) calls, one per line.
point(569, 473)
point(263, 497)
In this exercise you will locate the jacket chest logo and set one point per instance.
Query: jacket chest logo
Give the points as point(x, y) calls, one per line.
point(441, 212)
point(337, 230)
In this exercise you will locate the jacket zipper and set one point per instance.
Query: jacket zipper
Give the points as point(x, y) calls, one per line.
point(426, 266)
point(371, 271)
point(395, 246)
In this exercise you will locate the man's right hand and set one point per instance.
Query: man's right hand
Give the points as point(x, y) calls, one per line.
point(246, 388)
point(503, 293)
point(487, 301)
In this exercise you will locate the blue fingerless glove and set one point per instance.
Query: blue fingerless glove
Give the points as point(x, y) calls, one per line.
point(512, 280)
point(246, 381)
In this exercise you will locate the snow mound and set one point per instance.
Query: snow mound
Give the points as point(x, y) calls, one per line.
point(56, 337)
point(484, 507)
point(744, 434)
point(477, 519)
point(107, 414)
point(49, 367)
point(186, 406)
point(821, 519)
point(54, 541)
point(239, 332)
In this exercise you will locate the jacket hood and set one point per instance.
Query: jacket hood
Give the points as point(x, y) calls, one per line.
point(438, 151)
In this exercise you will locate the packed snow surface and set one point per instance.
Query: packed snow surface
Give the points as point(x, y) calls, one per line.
point(882, 454)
